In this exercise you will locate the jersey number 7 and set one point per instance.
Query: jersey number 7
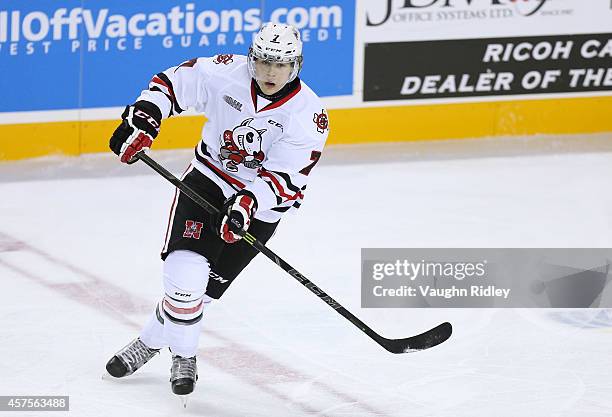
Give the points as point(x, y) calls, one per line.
point(314, 157)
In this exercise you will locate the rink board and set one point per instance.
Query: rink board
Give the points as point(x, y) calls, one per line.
point(370, 124)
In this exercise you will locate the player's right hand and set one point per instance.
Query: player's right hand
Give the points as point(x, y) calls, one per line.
point(236, 214)
point(136, 132)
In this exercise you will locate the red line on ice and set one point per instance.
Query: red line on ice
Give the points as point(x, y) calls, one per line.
point(252, 367)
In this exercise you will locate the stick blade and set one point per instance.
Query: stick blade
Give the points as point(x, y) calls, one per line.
point(426, 340)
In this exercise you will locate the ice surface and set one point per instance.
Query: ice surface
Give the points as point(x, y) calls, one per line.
point(81, 273)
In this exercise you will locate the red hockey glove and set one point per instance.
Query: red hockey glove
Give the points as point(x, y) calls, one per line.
point(136, 132)
point(236, 215)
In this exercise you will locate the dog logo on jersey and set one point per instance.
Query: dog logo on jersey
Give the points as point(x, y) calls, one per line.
point(193, 229)
point(225, 59)
point(242, 145)
point(321, 121)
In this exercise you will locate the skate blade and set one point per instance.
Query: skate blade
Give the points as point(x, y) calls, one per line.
point(184, 400)
point(108, 377)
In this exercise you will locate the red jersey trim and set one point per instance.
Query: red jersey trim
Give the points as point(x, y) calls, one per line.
point(280, 188)
point(161, 82)
point(227, 178)
point(274, 104)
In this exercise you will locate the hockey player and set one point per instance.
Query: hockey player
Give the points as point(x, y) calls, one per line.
point(266, 129)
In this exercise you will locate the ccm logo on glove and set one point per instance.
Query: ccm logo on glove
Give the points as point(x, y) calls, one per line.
point(236, 215)
point(140, 125)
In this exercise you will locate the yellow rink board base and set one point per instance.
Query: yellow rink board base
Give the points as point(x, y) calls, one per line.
point(361, 125)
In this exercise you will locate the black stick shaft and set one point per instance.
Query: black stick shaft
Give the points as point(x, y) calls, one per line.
point(391, 345)
point(251, 240)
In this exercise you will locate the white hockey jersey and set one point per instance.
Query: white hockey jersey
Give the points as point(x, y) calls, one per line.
point(267, 147)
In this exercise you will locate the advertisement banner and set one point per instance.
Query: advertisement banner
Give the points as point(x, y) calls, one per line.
point(488, 67)
point(411, 20)
point(73, 54)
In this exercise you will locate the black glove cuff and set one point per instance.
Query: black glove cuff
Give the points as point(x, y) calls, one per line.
point(150, 109)
point(142, 122)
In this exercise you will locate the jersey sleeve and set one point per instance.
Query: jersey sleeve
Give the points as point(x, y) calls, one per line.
point(179, 88)
point(282, 180)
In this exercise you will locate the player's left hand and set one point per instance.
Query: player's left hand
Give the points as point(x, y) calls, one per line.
point(236, 215)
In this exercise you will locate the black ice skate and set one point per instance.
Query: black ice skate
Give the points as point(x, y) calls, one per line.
point(183, 374)
point(130, 358)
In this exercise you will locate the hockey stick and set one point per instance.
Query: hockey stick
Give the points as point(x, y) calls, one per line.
point(422, 341)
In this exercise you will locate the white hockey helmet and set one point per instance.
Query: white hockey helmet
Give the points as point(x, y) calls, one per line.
point(277, 42)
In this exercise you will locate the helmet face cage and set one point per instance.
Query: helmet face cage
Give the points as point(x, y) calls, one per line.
point(296, 63)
